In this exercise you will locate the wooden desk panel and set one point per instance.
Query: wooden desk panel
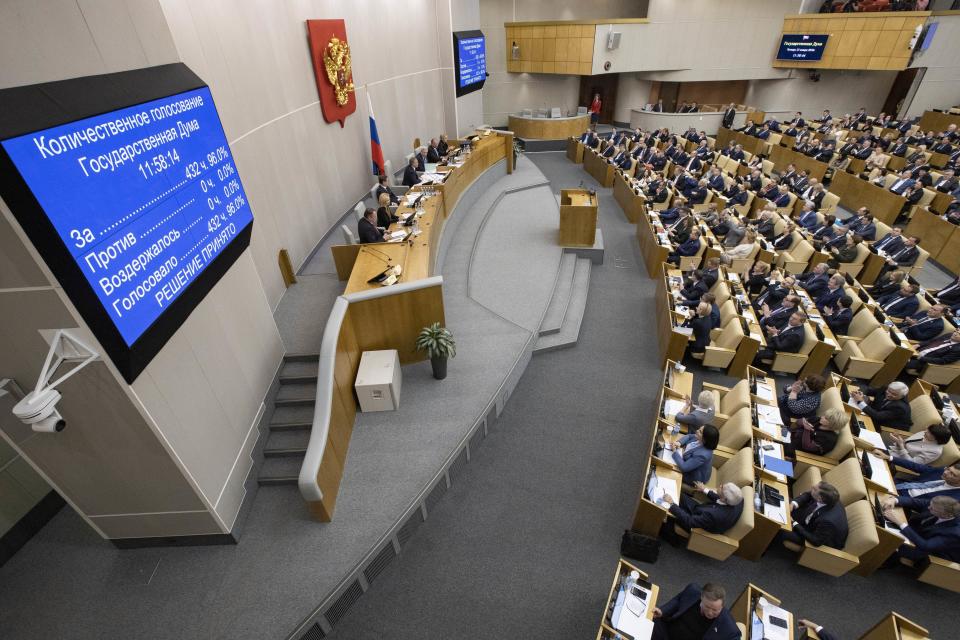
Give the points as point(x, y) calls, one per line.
point(949, 258)
point(934, 232)
point(749, 143)
point(578, 218)
point(940, 202)
point(548, 128)
point(855, 193)
point(936, 121)
point(575, 151)
point(595, 164)
point(630, 202)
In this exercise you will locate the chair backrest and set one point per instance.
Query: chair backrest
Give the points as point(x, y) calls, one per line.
point(728, 311)
point(736, 398)
point(862, 535)
point(801, 249)
point(348, 237)
point(921, 259)
point(830, 399)
point(809, 339)
point(744, 524)
point(737, 430)
point(927, 197)
point(862, 253)
point(730, 336)
point(882, 228)
point(829, 202)
point(889, 179)
point(779, 225)
point(766, 167)
point(722, 293)
point(949, 455)
point(847, 477)
point(863, 323)
point(738, 469)
point(878, 344)
point(843, 447)
point(359, 209)
point(923, 413)
point(775, 138)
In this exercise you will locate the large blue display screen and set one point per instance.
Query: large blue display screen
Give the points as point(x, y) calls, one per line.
point(470, 53)
point(802, 47)
point(144, 199)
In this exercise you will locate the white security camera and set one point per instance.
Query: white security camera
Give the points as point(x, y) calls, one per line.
point(39, 410)
point(39, 407)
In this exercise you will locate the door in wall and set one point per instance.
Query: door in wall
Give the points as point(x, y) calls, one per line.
point(606, 86)
point(899, 90)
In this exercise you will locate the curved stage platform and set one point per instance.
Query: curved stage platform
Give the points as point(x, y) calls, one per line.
point(290, 576)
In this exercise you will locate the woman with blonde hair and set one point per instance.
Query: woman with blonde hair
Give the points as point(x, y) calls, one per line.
point(745, 248)
point(384, 217)
point(818, 435)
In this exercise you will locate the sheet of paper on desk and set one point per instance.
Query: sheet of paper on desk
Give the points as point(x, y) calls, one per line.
point(732, 277)
point(769, 428)
point(687, 331)
point(816, 319)
point(874, 438)
point(672, 407)
point(895, 530)
point(881, 473)
point(772, 631)
point(764, 391)
point(640, 628)
point(768, 413)
point(777, 514)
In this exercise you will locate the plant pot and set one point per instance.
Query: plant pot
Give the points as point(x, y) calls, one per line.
point(439, 368)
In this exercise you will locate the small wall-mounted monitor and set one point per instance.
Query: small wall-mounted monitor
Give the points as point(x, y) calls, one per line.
point(470, 60)
point(802, 47)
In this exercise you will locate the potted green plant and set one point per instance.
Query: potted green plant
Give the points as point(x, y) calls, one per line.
point(438, 342)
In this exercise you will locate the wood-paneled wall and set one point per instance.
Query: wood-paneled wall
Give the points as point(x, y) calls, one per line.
point(876, 41)
point(734, 91)
point(565, 48)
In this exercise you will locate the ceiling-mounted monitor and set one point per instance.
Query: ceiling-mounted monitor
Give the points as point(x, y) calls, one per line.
point(126, 185)
point(802, 47)
point(469, 60)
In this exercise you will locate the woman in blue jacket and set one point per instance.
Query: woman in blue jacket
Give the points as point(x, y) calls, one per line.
point(694, 454)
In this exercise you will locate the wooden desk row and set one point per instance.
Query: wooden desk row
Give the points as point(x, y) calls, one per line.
point(781, 156)
point(939, 237)
point(855, 193)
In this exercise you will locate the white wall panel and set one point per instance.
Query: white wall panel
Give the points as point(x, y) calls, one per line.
point(840, 91)
point(940, 87)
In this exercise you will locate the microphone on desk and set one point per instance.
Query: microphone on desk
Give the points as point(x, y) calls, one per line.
point(379, 254)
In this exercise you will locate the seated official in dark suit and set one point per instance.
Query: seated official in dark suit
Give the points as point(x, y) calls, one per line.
point(433, 154)
point(815, 281)
point(839, 316)
point(789, 339)
point(688, 248)
point(717, 515)
point(950, 294)
point(892, 242)
point(694, 454)
point(778, 315)
point(421, 159)
point(930, 482)
point(925, 325)
point(887, 284)
point(384, 188)
point(701, 323)
point(901, 304)
point(695, 614)
point(888, 407)
point(367, 230)
point(940, 350)
point(443, 147)
point(934, 531)
point(829, 296)
point(818, 518)
point(906, 256)
point(410, 176)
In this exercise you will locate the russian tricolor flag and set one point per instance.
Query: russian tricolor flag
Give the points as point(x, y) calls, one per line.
point(376, 152)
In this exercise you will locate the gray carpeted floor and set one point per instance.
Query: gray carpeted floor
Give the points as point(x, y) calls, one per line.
point(526, 545)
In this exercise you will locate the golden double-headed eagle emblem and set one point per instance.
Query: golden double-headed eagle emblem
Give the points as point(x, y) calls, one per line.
point(336, 59)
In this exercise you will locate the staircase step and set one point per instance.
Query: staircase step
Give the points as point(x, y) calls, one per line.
point(287, 443)
point(294, 417)
point(296, 394)
point(298, 371)
point(569, 332)
point(557, 309)
point(280, 470)
point(301, 357)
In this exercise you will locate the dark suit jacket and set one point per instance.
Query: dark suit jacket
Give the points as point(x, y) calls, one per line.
point(384, 218)
point(689, 247)
point(368, 232)
point(701, 333)
point(899, 308)
point(942, 356)
point(828, 298)
point(827, 526)
point(952, 296)
point(905, 256)
point(442, 148)
point(927, 328)
point(711, 516)
point(410, 176)
point(946, 186)
point(789, 340)
point(889, 243)
point(925, 473)
point(724, 626)
point(931, 538)
point(812, 283)
point(728, 117)
point(888, 413)
point(433, 155)
point(421, 162)
point(839, 322)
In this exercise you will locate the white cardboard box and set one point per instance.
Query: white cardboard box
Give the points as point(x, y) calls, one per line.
point(378, 381)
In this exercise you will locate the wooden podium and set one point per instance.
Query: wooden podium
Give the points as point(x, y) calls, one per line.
point(578, 218)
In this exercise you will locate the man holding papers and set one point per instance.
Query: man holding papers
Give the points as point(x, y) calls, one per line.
point(818, 518)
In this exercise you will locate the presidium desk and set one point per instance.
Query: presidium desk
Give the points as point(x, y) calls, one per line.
point(370, 317)
point(530, 127)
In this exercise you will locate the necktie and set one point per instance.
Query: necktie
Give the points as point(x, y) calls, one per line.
point(891, 304)
point(920, 488)
point(939, 344)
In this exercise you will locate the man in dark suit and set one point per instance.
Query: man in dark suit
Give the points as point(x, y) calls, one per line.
point(818, 518)
point(929, 483)
point(728, 115)
point(905, 256)
point(887, 407)
point(715, 179)
point(814, 282)
point(902, 183)
point(934, 531)
point(698, 193)
point(443, 147)
point(833, 292)
point(789, 339)
point(925, 325)
point(695, 614)
point(421, 159)
point(384, 188)
point(784, 241)
point(839, 316)
point(947, 182)
point(737, 196)
point(688, 248)
point(901, 304)
point(891, 242)
point(433, 154)
point(940, 350)
point(410, 176)
point(589, 138)
point(950, 294)
point(899, 148)
point(738, 154)
point(717, 515)
point(367, 230)
point(778, 314)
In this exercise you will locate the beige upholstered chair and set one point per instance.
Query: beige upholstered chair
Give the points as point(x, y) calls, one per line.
point(737, 469)
point(739, 265)
point(829, 203)
point(830, 399)
point(705, 204)
point(863, 359)
point(787, 210)
point(744, 209)
point(923, 413)
point(798, 257)
point(854, 268)
point(661, 206)
point(737, 430)
point(785, 362)
point(940, 573)
point(721, 291)
point(721, 546)
point(861, 539)
point(728, 312)
point(728, 401)
point(847, 477)
point(917, 266)
point(941, 374)
point(721, 350)
point(949, 455)
point(863, 323)
point(692, 262)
